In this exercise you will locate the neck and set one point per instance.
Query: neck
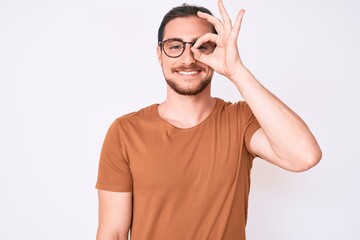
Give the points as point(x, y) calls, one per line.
point(186, 111)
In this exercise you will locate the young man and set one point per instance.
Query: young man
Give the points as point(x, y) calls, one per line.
point(181, 169)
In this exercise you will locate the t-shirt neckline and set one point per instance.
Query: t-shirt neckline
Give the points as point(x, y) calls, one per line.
point(156, 112)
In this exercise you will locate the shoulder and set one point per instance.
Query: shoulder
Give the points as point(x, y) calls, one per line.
point(146, 114)
point(239, 107)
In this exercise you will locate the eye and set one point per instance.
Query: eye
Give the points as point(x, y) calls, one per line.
point(207, 47)
point(203, 47)
point(175, 46)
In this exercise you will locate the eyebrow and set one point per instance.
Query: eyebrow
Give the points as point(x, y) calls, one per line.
point(180, 39)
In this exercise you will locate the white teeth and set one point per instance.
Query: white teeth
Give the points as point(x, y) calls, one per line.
point(189, 73)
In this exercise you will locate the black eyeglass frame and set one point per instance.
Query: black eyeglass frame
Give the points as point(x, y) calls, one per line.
point(183, 43)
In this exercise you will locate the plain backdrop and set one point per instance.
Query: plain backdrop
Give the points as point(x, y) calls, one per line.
point(69, 68)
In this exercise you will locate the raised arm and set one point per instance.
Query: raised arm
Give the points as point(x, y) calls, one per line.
point(115, 215)
point(284, 139)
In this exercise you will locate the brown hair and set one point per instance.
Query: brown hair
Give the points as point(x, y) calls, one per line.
point(181, 11)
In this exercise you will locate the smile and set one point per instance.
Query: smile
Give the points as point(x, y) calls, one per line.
point(188, 73)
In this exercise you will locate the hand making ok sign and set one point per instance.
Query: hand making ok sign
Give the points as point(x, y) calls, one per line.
point(225, 59)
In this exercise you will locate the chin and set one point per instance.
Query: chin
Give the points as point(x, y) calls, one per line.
point(188, 90)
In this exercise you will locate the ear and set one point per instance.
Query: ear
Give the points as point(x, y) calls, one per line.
point(159, 56)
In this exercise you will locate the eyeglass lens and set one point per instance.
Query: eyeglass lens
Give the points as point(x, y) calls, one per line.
point(174, 47)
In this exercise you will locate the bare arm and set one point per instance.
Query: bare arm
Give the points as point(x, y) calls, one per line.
point(115, 215)
point(284, 139)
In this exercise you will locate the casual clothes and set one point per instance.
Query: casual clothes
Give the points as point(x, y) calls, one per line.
point(187, 184)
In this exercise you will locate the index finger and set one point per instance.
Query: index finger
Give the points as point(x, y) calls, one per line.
point(213, 20)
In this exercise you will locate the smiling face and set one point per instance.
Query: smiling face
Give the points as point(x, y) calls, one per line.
point(184, 74)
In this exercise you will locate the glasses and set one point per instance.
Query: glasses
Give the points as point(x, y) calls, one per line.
point(174, 47)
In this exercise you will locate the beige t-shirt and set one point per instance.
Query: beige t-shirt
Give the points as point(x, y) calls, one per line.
point(187, 184)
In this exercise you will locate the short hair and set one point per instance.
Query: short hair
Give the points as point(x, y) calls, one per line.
point(182, 11)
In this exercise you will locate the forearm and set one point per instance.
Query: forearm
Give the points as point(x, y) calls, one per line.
point(103, 234)
point(287, 133)
point(284, 138)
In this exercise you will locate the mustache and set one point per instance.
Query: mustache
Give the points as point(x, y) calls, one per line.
point(191, 67)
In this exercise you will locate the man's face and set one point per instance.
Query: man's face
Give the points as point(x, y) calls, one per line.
point(184, 74)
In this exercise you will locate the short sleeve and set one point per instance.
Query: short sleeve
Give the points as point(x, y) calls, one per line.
point(114, 172)
point(251, 124)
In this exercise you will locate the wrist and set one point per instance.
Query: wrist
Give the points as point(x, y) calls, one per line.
point(239, 73)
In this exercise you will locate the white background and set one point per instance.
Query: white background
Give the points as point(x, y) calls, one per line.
point(69, 68)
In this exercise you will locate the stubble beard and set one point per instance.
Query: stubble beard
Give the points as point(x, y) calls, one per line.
point(189, 91)
point(194, 88)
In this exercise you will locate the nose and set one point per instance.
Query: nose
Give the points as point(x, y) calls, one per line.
point(188, 56)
